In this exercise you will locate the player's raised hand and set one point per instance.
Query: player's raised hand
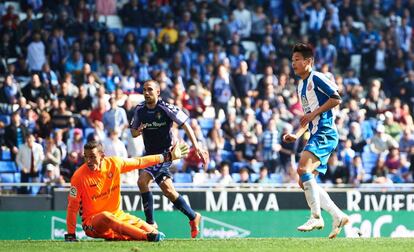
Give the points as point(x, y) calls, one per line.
point(179, 150)
point(289, 138)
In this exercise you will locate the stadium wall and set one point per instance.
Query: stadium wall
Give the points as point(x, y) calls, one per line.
point(230, 199)
point(41, 225)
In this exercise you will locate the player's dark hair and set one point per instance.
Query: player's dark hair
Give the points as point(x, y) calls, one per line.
point(153, 81)
point(92, 145)
point(305, 49)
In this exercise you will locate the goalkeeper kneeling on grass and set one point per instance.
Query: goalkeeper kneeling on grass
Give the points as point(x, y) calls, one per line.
point(95, 194)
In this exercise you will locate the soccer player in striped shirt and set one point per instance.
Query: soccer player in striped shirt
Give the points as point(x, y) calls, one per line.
point(318, 96)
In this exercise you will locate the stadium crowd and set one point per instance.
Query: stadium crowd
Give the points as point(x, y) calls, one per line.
point(72, 71)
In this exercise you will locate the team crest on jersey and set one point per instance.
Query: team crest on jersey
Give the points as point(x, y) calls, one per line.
point(110, 175)
point(158, 115)
point(310, 86)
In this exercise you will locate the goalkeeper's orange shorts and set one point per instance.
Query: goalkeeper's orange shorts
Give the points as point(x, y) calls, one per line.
point(111, 234)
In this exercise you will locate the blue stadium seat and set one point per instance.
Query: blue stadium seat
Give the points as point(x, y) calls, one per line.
point(236, 166)
point(276, 178)
point(183, 178)
point(227, 156)
point(7, 178)
point(17, 177)
point(5, 119)
point(134, 30)
point(6, 154)
point(253, 177)
point(235, 176)
point(88, 131)
point(256, 166)
point(206, 125)
point(7, 167)
point(143, 32)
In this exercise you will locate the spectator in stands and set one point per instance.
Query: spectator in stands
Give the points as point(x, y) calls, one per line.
point(15, 134)
point(380, 173)
point(244, 175)
point(44, 125)
point(69, 165)
point(225, 177)
point(76, 142)
point(325, 54)
point(9, 90)
point(115, 118)
point(215, 141)
point(394, 165)
point(106, 7)
point(381, 142)
point(52, 156)
point(193, 103)
point(50, 178)
point(98, 111)
point(34, 90)
point(246, 144)
point(406, 141)
point(222, 90)
point(270, 146)
point(356, 171)
point(170, 31)
point(392, 127)
point(244, 16)
point(36, 54)
point(263, 176)
point(29, 161)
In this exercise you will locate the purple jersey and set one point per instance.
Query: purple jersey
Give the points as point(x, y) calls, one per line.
point(157, 134)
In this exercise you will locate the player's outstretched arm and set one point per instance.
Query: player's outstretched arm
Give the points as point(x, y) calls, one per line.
point(177, 152)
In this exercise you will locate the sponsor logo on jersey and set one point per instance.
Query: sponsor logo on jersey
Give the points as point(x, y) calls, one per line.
point(73, 192)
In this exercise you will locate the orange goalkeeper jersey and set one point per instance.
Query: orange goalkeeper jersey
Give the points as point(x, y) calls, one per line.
point(92, 192)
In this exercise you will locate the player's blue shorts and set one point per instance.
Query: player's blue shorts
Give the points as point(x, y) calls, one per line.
point(159, 172)
point(322, 145)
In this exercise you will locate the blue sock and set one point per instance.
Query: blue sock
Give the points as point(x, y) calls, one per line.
point(306, 177)
point(148, 204)
point(181, 205)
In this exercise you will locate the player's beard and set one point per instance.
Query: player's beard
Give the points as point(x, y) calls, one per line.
point(150, 100)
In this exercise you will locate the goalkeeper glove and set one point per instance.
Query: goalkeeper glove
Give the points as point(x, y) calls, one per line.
point(178, 151)
point(70, 238)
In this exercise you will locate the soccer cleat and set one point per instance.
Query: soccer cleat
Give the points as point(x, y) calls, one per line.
point(155, 237)
point(194, 225)
point(312, 224)
point(337, 225)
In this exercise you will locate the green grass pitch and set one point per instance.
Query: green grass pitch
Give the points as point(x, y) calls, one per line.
point(219, 245)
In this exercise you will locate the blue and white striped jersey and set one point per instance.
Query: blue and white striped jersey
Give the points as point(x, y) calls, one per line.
point(313, 93)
